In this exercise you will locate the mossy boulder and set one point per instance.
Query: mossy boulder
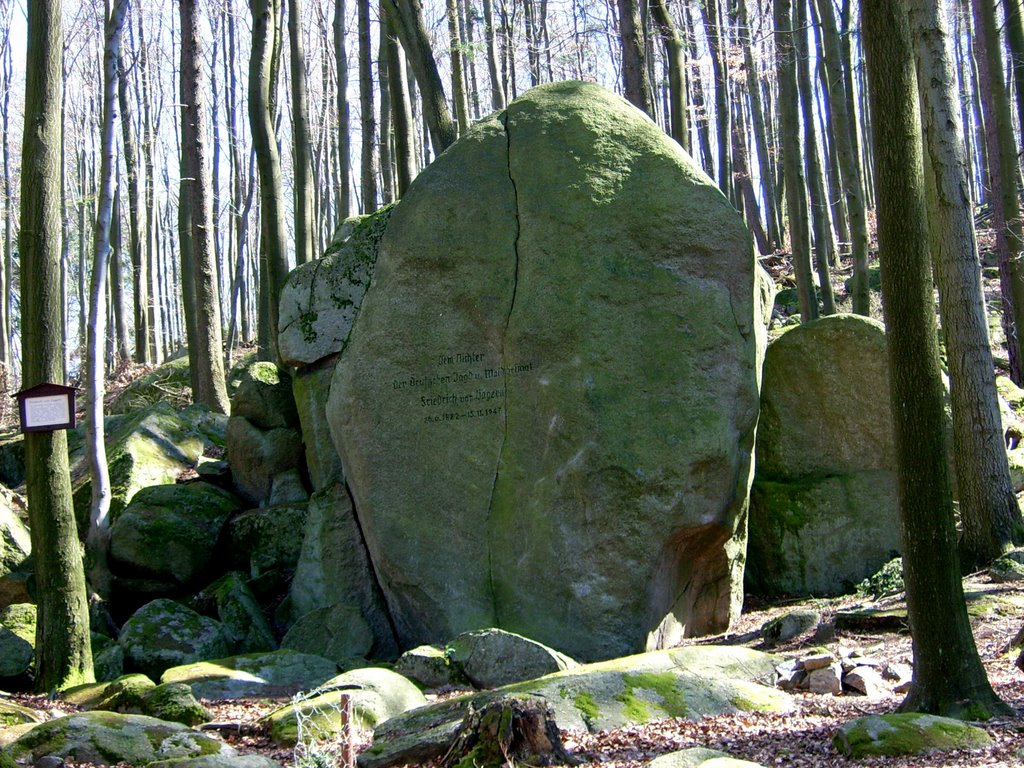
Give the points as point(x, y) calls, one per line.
point(240, 615)
point(266, 464)
point(168, 382)
point(907, 733)
point(321, 299)
point(823, 509)
point(562, 339)
point(334, 574)
point(264, 397)
point(491, 658)
point(12, 714)
point(165, 633)
point(266, 543)
point(175, 703)
point(311, 385)
point(149, 447)
point(170, 532)
point(20, 618)
point(690, 682)
point(108, 738)
point(15, 548)
point(218, 761)
point(17, 639)
point(262, 675)
point(429, 667)
point(337, 632)
point(376, 694)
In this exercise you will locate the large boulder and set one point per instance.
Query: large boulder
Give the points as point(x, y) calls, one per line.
point(551, 387)
point(335, 577)
point(823, 512)
point(266, 542)
point(241, 618)
point(110, 738)
point(906, 733)
point(491, 658)
point(164, 634)
point(320, 300)
point(170, 532)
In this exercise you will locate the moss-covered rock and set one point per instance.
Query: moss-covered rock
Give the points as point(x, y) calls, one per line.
point(15, 548)
point(264, 397)
point(429, 667)
point(125, 695)
point(376, 694)
point(334, 572)
point(311, 385)
point(907, 733)
point(170, 532)
point(20, 618)
point(337, 632)
point(321, 299)
point(823, 510)
point(108, 738)
point(265, 543)
point(165, 633)
point(689, 682)
point(145, 448)
point(175, 703)
point(491, 658)
point(218, 761)
point(255, 675)
point(265, 463)
point(168, 382)
point(556, 366)
point(12, 713)
point(240, 615)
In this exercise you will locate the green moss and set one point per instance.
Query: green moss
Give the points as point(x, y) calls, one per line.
point(673, 701)
point(907, 733)
point(634, 709)
point(584, 702)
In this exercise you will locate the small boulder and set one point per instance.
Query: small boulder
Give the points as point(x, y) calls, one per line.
point(175, 703)
point(430, 667)
point(108, 738)
point(491, 658)
point(240, 615)
point(264, 397)
point(793, 624)
point(170, 532)
point(377, 695)
point(258, 456)
point(1008, 568)
point(253, 675)
point(866, 680)
point(906, 733)
point(266, 542)
point(826, 680)
point(165, 633)
point(15, 654)
point(12, 714)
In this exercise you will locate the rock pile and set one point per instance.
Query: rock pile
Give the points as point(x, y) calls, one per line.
point(848, 671)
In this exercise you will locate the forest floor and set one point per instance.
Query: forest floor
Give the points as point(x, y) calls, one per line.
point(802, 737)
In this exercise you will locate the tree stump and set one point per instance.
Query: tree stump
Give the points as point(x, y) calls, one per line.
point(505, 732)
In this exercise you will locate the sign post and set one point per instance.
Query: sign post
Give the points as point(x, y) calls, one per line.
point(46, 408)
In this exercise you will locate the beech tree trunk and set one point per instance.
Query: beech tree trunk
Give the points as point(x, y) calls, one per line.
point(635, 81)
point(63, 655)
point(948, 676)
point(302, 161)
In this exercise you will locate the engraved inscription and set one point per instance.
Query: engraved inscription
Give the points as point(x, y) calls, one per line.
point(462, 385)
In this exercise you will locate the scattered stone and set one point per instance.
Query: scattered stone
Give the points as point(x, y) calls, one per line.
point(818, 661)
point(908, 733)
point(897, 671)
point(866, 680)
point(793, 624)
point(165, 633)
point(109, 738)
point(826, 680)
point(491, 658)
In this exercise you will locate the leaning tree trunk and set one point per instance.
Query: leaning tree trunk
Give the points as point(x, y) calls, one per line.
point(949, 678)
point(63, 656)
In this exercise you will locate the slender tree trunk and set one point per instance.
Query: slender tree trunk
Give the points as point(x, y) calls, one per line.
point(153, 311)
point(823, 244)
point(117, 300)
point(676, 64)
point(344, 196)
point(1015, 44)
point(635, 81)
point(97, 541)
point(301, 156)
point(458, 76)
point(268, 160)
point(723, 118)
point(401, 109)
point(62, 652)
point(843, 130)
point(206, 351)
point(386, 142)
point(367, 116)
point(948, 676)
point(1002, 176)
point(700, 108)
point(989, 513)
point(789, 122)
point(6, 6)
point(498, 100)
